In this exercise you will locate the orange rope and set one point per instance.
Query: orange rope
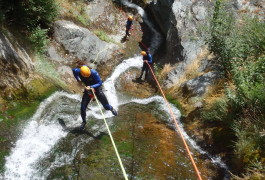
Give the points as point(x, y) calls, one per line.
point(171, 112)
point(144, 45)
point(176, 123)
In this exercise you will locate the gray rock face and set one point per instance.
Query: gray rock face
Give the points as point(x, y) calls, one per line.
point(54, 55)
point(161, 11)
point(251, 6)
point(198, 86)
point(15, 64)
point(81, 42)
point(96, 9)
point(181, 24)
point(180, 21)
point(190, 16)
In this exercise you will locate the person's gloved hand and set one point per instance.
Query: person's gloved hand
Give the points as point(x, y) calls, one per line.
point(88, 88)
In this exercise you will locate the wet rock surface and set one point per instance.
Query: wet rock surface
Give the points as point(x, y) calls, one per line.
point(148, 148)
point(130, 85)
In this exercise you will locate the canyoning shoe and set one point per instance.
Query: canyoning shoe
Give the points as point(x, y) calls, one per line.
point(114, 112)
point(82, 127)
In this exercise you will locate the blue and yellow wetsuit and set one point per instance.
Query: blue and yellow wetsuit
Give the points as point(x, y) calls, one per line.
point(94, 82)
point(145, 67)
point(128, 27)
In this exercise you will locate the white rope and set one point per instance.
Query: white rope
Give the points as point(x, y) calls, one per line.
point(113, 143)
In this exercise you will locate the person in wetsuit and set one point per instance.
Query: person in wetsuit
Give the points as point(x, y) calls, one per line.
point(147, 58)
point(128, 26)
point(92, 82)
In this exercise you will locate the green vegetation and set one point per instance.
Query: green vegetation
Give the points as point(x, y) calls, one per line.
point(14, 112)
point(2, 160)
point(174, 101)
point(43, 66)
point(239, 47)
point(39, 38)
point(74, 11)
point(103, 36)
point(32, 17)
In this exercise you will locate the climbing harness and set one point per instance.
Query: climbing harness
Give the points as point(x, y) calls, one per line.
point(113, 143)
point(177, 125)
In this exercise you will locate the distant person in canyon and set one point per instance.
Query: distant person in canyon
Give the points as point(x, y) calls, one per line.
point(91, 79)
point(147, 58)
point(128, 26)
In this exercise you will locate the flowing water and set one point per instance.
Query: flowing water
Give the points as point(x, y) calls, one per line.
point(40, 150)
point(52, 147)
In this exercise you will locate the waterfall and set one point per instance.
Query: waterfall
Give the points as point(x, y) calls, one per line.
point(156, 37)
point(43, 131)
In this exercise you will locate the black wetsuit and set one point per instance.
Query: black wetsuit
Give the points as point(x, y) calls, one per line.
point(128, 27)
point(145, 67)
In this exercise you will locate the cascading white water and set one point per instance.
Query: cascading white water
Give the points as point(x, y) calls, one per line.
point(43, 131)
point(38, 137)
point(156, 37)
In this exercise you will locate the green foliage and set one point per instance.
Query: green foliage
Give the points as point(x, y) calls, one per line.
point(250, 144)
point(39, 39)
point(103, 36)
point(83, 20)
point(219, 30)
point(249, 78)
point(174, 101)
point(157, 69)
point(239, 47)
point(44, 67)
point(31, 13)
point(217, 112)
point(32, 17)
point(2, 160)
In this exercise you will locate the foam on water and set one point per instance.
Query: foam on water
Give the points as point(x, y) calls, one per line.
point(36, 140)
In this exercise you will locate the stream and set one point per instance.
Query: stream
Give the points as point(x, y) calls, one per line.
point(52, 147)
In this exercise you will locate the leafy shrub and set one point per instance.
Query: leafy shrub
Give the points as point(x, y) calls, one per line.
point(220, 111)
point(250, 144)
point(32, 17)
point(219, 30)
point(39, 39)
point(103, 36)
point(239, 47)
point(176, 103)
point(31, 13)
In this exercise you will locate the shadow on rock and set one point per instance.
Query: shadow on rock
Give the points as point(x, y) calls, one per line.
point(78, 131)
point(137, 80)
point(124, 38)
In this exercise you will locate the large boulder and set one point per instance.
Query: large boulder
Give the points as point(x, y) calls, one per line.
point(181, 21)
point(82, 43)
point(180, 24)
point(15, 64)
point(198, 86)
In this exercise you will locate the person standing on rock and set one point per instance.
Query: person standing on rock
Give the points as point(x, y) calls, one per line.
point(147, 58)
point(91, 79)
point(128, 26)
